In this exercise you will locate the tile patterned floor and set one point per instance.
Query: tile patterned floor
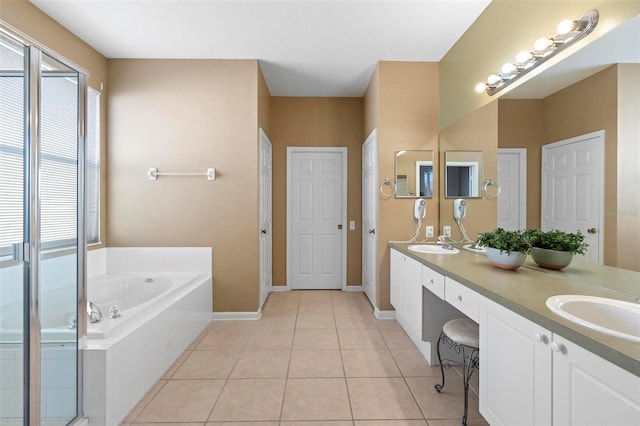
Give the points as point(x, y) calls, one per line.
point(314, 358)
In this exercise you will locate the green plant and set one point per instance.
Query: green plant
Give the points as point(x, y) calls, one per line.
point(505, 241)
point(558, 240)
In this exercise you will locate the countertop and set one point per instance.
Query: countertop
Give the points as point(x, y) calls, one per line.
point(525, 291)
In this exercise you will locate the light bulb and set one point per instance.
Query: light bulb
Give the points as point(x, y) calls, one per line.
point(481, 87)
point(542, 44)
point(493, 79)
point(566, 26)
point(523, 57)
point(508, 68)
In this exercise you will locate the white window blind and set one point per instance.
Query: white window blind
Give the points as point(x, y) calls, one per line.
point(92, 172)
point(58, 155)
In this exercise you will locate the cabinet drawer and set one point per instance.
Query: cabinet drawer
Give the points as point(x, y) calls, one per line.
point(433, 281)
point(462, 298)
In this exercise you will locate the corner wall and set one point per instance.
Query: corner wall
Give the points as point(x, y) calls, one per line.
point(402, 101)
point(317, 122)
point(187, 116)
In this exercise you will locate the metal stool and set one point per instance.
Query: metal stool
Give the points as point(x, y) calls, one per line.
point(461, 335)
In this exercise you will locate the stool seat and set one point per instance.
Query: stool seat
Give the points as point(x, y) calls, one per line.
point(463, 331)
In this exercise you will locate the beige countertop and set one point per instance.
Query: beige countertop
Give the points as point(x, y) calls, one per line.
point(526, 290)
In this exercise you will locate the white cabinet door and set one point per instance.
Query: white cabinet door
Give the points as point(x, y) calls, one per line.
point(588, 390)
point(396, 280)
point(413, 297)
point(515, 371)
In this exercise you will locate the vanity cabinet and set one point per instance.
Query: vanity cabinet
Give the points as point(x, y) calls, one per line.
point(529, 375)
point(406, 294)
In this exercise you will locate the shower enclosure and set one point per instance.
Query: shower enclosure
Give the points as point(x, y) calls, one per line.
point(42, 238)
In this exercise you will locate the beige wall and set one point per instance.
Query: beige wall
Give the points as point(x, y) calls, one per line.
point(520, 125)
point(264, 104)
point(500, 32)
point(28, 19)
point(317, 122)
point(476, 132)
point(628, 209)
point(188, 115)
point(404, 97)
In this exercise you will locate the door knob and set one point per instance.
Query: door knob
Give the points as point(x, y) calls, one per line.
point(592, 230)
point(372, 231)
point(340, 226)
point(264, 231)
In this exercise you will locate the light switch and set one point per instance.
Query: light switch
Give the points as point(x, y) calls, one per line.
point(352, 225)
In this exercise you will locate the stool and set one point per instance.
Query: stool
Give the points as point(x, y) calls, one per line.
point(461, 335)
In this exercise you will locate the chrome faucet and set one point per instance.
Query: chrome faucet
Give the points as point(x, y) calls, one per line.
point(95, 315)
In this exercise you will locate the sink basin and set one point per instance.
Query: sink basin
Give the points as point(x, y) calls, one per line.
point(610, 316)
point(433, 249)
point(477, 250)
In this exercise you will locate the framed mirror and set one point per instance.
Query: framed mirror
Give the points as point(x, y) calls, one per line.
point(463, 174)
point(415, 174)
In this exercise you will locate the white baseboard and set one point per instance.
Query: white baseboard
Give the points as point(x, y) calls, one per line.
point(275, 288)
point(352, 288)
point(235, 316)
point(384, 315)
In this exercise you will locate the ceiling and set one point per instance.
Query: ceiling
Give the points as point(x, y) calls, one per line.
point(305, 47)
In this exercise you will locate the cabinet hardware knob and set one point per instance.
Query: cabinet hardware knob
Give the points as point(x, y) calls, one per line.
point(555, 347)
point(537, 337)
point(431, 280)
point(459, 298)
point(340, 226)
point(592, 230)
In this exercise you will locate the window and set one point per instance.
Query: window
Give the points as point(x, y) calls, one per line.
point(58, 154)
point(92, 171)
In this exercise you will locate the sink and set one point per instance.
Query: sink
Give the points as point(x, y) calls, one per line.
point(610, 316)
point(477, 250)
point(434, 249)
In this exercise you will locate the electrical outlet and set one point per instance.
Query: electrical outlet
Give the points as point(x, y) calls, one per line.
point(429, 231)
point(446, 231)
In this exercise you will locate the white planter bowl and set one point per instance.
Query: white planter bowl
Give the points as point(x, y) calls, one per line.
point(506, 260)
point(551, 259)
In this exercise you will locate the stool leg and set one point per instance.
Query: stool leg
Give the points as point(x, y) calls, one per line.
point(467, 370)
point(440, 386)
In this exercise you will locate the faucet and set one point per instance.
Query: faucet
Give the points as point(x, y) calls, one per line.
point(95, 315)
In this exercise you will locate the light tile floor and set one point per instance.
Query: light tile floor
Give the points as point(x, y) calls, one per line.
point(314, 358)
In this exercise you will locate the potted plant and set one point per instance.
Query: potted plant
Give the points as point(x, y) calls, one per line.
point(555, 249)
point(505, 249)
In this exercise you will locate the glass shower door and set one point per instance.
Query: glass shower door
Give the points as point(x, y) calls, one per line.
point(14, 272)
point(58, 240)
point(42, 103)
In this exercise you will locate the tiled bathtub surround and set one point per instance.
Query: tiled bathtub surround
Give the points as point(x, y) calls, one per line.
point(121, 369)
point(314, 358)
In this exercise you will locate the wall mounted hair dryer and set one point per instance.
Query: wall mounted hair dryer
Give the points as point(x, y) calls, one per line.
point(459, 212)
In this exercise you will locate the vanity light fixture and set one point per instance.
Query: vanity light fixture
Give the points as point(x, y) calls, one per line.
point(568, 32)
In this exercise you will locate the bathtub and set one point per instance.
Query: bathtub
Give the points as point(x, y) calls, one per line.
point(161, 314)
point(137, 296)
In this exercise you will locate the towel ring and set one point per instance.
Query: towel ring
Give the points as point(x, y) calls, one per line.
point(493, 194)
point(391, 184)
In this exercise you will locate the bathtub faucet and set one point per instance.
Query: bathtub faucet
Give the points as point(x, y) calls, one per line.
point(95, 315)
point(114, 311)
point(73, 321)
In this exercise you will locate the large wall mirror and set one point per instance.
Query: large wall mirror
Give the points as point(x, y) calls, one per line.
point(463, 174)
point(415, 174)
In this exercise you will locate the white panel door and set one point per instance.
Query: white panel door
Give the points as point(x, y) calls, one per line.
point(512, 178)
point(573, 188)
point(369, 215)
point(265, 203)
point(316, 218)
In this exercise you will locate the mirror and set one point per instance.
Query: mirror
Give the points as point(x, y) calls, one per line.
point(619, 46)
point(414, 174)
point(463, 174)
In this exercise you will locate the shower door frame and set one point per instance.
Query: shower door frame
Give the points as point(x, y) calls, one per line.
point(31, 247)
